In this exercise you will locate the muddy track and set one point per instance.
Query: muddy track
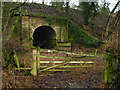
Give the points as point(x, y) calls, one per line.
point(84, 78)
point(77, 78)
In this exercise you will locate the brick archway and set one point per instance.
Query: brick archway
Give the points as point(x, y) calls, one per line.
point(44, 37)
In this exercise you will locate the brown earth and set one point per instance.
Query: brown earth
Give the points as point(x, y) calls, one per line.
point(79, 78)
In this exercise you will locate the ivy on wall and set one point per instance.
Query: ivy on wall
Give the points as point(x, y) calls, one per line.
point(75, 34)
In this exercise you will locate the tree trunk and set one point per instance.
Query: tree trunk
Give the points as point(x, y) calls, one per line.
point(109, 19)
point(0, 42)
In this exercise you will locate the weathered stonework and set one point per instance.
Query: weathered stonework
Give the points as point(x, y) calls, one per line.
point(30, 23)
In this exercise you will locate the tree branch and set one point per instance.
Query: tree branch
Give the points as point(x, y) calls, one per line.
point(109, 19)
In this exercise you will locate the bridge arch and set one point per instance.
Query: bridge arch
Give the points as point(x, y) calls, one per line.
point(29, 24)
point(44, 37)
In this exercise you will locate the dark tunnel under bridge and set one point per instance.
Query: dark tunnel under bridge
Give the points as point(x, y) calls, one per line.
point(44, 37)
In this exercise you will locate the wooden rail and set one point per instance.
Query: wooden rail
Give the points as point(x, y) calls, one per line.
point(51, 62)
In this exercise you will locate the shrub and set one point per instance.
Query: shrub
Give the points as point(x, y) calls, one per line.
point(9, 48)
point(78, 35)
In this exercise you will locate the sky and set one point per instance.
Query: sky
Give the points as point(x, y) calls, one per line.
point(72, 2)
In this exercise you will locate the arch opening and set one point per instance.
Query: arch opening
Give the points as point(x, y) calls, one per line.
point(44, 37)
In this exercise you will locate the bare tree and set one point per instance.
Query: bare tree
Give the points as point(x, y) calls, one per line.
point(110, 18)
point(0, 44)
point(10, 12)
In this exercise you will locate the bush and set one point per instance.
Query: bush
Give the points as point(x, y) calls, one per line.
point(112, 70)
point(77, 35)
point(9, 49)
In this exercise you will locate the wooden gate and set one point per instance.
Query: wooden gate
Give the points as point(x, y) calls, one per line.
point(54, 60)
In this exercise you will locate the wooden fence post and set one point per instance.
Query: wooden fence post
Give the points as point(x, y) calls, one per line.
point(17, 61)
point(34, 62)
point(38, 59)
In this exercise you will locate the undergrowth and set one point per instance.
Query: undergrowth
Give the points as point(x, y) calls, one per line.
point(78, 35)
point(11, 48)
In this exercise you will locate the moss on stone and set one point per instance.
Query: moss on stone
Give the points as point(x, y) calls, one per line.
point(76, 34)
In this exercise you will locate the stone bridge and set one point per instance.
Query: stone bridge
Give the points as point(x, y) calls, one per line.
point(33, 28)
point(40, 33)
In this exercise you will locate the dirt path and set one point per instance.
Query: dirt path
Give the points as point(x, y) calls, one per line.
point(86, 78)
point(82, 78)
